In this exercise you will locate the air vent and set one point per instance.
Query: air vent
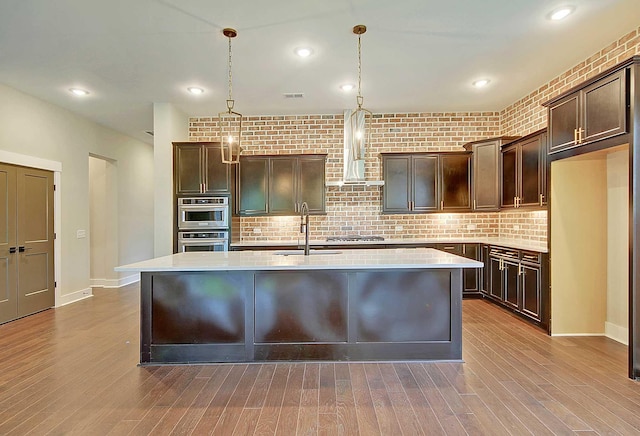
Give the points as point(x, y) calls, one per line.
point(149, 132)
point(293, 95)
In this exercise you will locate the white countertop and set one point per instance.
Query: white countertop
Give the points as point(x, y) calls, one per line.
point(390, 258)
point(520, 244)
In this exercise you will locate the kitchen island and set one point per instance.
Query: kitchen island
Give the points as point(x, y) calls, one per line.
point(371, 304)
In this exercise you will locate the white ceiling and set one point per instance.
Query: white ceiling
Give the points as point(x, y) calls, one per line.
point(417, 55)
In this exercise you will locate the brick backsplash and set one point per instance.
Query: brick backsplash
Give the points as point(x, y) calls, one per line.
point(357, 209)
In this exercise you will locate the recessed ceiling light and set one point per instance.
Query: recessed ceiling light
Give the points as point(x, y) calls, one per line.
point(79, 92)
point(481, 83)
point(303, 52)
point(194, 90)
point(347, 87)
point(561, 13)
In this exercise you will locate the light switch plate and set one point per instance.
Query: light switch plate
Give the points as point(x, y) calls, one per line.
point(81, 234)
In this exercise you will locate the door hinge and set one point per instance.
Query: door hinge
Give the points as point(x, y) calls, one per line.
point(55, 284)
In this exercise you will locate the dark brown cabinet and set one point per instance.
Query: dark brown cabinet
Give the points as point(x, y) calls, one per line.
point(455, 179)
point(277, 185)
point(486, 172)
point(523, 169)
point(426, 182)
point(595, 112)
point(517, 279)
point(472, 276)
point(198, 169)
point(252, 185)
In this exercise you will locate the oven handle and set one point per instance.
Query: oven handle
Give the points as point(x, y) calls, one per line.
point(203, 206)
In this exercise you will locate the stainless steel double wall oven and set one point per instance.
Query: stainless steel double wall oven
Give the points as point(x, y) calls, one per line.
point(203, 224)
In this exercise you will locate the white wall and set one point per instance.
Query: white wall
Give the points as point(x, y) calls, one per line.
point(617, 323)
point(32, 127)
point(97, 218)
point(169, 124)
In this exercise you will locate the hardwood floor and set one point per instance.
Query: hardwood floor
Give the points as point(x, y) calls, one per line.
point(73, 370)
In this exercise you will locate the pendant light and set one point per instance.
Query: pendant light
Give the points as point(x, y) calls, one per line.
point(360, 118)
point(230, 122)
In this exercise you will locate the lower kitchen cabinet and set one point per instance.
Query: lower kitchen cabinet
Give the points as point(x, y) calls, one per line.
point(472, 277)
point(518, 280)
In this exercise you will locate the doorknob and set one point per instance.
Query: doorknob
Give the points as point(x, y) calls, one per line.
point(21, 249)
point(12, 249)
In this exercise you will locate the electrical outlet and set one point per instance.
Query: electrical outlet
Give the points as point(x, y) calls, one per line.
point(81, 234)
point(399, 228)
point(257, 230)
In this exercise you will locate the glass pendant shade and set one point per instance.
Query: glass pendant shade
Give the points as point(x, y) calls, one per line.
point(359, 130)
point(230, 126)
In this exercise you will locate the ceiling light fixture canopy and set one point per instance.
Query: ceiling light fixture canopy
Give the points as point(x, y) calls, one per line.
point(195, 90)
point(360, 118)
point(230, 121)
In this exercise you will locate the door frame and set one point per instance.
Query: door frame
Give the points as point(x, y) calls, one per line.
point(56, 167)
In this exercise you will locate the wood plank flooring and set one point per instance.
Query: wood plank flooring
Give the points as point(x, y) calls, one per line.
point(72, 371)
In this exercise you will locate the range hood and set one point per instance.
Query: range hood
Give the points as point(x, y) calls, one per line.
point(353, 153)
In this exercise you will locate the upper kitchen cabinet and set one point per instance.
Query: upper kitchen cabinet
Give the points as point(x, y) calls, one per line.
point(426, 182)
point(524, 172)
point(198, 169)
point(455, 178)
point(486, 172)
point(252, 186)
point(277, 185)
point(596, 111)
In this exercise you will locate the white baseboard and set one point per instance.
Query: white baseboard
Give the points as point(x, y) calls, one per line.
point(74, 296)
point(115, 283)
point(616, 332)
point(611, 331)
point(577, 334)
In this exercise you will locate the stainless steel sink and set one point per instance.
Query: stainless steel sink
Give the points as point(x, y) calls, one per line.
point(301, 252)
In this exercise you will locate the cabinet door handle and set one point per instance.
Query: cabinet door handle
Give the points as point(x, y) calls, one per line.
point(441, 204)
point(575, 136)
point(519, 269)
point(541, 199)
point(580, 130)
point(12, 250)
point(474, 204)
point(501, 265)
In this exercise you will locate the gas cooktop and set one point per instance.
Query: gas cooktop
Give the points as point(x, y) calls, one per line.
point(354, 238)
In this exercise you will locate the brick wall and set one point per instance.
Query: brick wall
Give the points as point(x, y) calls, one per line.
point(357, 209)
point(528, 115)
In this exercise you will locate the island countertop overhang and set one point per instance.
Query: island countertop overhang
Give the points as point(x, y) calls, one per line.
point(399, 258)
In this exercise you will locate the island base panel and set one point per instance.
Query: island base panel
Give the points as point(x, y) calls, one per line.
point(301, 315)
